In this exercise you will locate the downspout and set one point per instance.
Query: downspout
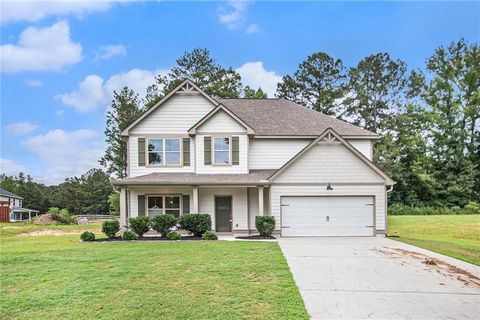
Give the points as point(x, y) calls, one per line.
point(387, 190)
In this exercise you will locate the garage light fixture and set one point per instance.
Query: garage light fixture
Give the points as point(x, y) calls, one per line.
point(329, 187)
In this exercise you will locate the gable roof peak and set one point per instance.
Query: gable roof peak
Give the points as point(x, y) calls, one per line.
point(186, 86)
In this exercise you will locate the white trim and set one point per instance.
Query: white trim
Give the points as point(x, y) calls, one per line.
point(164, 152)
point(164, 99)
point(388, 180)
point(193, 129)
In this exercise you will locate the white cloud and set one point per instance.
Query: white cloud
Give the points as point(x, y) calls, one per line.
point(94, 92)
point(41, 49)
point(60, 113)
point(110, 51)
point(89, 96)
point(66, 153)
point(234, 17)
point(12, 11)
point(10, 168)
point(20, 128)
point(33, 83)
point(254, 75)
point(251, 29)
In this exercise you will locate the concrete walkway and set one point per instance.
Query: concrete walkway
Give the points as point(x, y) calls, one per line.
point(378, 278)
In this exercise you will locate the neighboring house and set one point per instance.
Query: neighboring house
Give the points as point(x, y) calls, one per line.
point(239, 158)
point(15, 210)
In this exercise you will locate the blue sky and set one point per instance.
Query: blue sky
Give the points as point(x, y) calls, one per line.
point(61, 61)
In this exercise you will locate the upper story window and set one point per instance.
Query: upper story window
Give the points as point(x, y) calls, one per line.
point(164, 151)
point(221, 150)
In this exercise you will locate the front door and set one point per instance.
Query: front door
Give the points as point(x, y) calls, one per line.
point(223, 213)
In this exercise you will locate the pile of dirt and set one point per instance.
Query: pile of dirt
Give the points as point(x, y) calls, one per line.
point(44, 219)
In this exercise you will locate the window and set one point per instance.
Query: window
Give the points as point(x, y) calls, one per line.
point(172, 151)
point(164, 151)
point(221, 150)
point(155, 151)
point(155, 206)
point(172, 205)
point(163, 205)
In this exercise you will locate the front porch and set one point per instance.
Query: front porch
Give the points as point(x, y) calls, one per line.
point(232, 208)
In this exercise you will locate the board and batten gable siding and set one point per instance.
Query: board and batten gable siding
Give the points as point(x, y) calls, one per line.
point(175, 116)
point(365, 146)
point(328, 163)
point(136, 170)
point(377, 191)
point(242, 167)
point(273, 153)
point(221, 122)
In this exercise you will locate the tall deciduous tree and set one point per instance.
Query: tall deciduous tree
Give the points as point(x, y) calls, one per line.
point(318, 84)
point(376, 90)
point(124, 110)
point(453, 96)
point(202, 69)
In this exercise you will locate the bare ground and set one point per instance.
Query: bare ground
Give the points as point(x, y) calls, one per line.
point(438, 265)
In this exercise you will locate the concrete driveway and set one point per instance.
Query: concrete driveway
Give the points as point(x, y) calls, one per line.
point(378, 278)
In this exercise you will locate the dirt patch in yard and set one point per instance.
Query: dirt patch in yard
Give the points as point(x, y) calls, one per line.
point(50, 232)
point(438, 265)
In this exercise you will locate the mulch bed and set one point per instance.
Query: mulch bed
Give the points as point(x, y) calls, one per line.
point(184, 238)
point(255, 237)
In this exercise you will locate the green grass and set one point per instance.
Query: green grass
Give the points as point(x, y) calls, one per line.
point(15, 228)
point(58, 277)
point(456, 236)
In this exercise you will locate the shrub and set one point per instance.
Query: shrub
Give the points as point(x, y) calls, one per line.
point(473, 207)
point(139, 225)
point(87, 236)
point(162, 223)
point(196, 223)
point(61, 216)
point(209, 235)
point(129, 235)
point(265, 225)
point(172, 235)
point(401, 209)
point(110, 228)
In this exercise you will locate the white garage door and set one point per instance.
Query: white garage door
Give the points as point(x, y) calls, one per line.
point(327, 216)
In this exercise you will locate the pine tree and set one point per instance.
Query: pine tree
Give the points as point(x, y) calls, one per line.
point(318, 84)
point(124, 110)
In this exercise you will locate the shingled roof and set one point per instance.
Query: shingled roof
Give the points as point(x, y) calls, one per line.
point(9, 194)
point(280, 117)
point(184, 178)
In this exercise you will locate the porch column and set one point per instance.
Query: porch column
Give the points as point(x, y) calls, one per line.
point(123, 208)
point(260, 201)
point(195, 199)
point(29, 216)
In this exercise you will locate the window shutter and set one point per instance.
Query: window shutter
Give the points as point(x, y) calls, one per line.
point(141, 206)
point(235, 151)
point(186, 151)
point(186, 203)
point(141, 152)
point(207, 150)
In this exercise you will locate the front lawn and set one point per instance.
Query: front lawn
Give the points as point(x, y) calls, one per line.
point(15, 228)
point(61, 278)
point(457, 236)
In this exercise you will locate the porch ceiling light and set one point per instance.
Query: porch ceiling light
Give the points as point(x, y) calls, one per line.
point(329, 187)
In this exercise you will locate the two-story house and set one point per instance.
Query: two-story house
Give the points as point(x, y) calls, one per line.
point(238, 158)
point(11, 208)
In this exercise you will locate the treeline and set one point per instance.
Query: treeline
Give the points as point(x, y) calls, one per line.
point(91, 193)
point(428, 119)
